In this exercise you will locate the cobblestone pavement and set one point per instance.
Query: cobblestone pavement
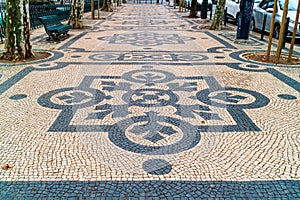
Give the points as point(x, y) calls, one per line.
point(144, 104)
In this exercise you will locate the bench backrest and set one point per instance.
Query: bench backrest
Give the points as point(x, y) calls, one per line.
point(50, 20)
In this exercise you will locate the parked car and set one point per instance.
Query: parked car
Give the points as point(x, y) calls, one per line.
point(266, 8)
point(233, 8)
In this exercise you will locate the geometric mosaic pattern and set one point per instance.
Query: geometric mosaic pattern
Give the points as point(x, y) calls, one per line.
point(151, 127)
point(146, 105)
point(147, 39)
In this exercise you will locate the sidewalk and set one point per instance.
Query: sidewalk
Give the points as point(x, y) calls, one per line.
point(146, 105)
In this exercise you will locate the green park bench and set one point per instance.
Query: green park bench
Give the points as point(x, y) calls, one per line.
point(53, 26)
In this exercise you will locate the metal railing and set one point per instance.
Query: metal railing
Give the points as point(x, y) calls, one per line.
point(63, 11)
point(88, 7)
point(36, 11)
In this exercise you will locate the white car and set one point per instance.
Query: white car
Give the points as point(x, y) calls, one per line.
point(266, 8)
point(233, 8)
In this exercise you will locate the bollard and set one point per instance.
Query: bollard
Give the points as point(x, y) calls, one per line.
point(203, 9)
point(286, 28)
point(210, 14)
point(246, 8)
point(263, 27)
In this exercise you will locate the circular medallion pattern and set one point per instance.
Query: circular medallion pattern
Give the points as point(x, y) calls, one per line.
point(71, 97)
point(154, 132)
point(233, 97)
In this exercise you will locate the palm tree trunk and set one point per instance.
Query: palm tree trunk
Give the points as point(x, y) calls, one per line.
point(17, 41)
point(76, 15)
point(218, 16)
point(193, 11)
point(107, 6)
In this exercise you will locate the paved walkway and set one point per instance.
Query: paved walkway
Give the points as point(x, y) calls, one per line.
point(146, 105)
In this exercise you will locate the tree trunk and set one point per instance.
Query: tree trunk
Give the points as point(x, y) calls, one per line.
point(107, 6)
point(76, 14)
point(17, 41)
point(218, 16)
point(193, 11)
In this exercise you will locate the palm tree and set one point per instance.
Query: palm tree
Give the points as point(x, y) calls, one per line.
point(76, 14)
point(107, 6)
point(193, 11)
point(218, 16)
point(17, 38)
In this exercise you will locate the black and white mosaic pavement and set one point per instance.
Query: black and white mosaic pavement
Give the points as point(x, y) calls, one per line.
point(142, 108)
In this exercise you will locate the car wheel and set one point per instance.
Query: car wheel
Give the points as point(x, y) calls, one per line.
point(276, 31)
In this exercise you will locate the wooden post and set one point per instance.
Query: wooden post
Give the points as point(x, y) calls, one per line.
point(93, 9)
point(98, 9)
point(271, 30)
point(294, 33)
point(281, 35)
point(179, 7)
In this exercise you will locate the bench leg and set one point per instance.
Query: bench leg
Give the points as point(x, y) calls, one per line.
point(66, 33)
point(54, 36)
